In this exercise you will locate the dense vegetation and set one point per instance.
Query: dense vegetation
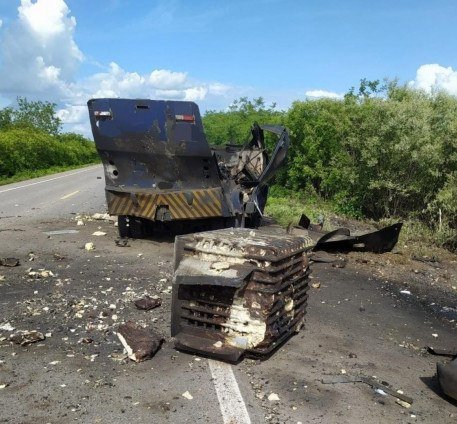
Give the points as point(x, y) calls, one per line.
point(384, 151)
point(31, 141)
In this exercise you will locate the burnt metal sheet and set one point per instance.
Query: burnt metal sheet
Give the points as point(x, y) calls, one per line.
point(447, 377)
point(263, 305)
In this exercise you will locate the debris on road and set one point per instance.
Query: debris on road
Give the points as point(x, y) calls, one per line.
point(407, 292)
point(80, 223)
point(25, 338)
point(89, 246)
point(122, 242)
point(252, 305)
point(9, 262)
point(6, 327)
point(371, 381)
point(403, 403)
point(273, 397)
point(41, 273)
point(101, 216)
point(147, 303)
point(442, 351)
point(341, 240)
point(187, 395)
point(99, 233)
point(140, 343)
point(3, 385)
point(447, 377)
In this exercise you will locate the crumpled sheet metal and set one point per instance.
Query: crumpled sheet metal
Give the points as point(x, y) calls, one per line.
point(447, 377)
point(341, 240)
point(237, 291)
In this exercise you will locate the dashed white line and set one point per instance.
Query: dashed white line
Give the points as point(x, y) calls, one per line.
point(231, 402)
point(69, 195)
point(45, 181)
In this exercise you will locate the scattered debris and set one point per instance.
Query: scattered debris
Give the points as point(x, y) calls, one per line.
point(6, 327)
point(101, 216)
point(89, 246)
point(41, 273)
point(32, 256)
point(371, 381)
point(147, 303)
point(99, 233)
point(118, 356)
point(441, 351)
point(315, 285)
point(221, 310)
point(341, 240)
point(405, 292)
point(80, 223)
point(187, 395)
point(25, 338)
point(122, 242)
point(140, 343)
point(447, 377)
point(3, 385)
point(435, 335)
point(272, 397)
point(61, 232)
point(403, 403)
point(9, 262)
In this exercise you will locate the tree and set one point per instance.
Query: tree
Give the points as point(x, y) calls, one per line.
point(38, 114)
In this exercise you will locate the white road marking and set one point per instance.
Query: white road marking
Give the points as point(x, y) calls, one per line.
point(69, 195)
point(231, 402)
point(46, 181)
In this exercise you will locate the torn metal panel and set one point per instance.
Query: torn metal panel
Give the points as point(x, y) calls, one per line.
point(341, 240)
point(238, 291)
point(447, 377)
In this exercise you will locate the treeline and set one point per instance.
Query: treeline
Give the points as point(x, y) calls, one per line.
point(383, 151)
point(31, 140)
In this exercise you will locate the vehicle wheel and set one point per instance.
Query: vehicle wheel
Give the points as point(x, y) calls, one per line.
point(123, 226)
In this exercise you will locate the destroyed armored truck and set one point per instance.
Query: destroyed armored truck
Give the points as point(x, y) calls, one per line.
point(160, 170)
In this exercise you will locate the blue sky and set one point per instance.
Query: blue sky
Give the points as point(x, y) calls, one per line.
point(215, 51)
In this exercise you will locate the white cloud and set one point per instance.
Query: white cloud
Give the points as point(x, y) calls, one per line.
point(161, 78)
point(323, 94)
point(38, 51)
point(40, 60)
point(1, 23)
point(434, 77)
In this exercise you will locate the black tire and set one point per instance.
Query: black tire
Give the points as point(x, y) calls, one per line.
point(123, 226)
point(132, 227)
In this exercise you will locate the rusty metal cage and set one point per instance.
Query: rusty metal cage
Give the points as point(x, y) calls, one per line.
point(238, 291)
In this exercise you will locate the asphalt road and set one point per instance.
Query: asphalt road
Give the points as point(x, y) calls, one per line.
point(53, 196)
point(356, 324)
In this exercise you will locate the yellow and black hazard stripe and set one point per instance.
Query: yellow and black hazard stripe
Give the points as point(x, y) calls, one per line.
point(189, 204)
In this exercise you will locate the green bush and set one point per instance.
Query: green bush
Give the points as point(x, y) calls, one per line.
point(29, 149)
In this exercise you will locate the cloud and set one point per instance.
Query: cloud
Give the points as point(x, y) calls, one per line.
point(1, 23)
point(323, 94)
point(434, 77)
point(40, 60)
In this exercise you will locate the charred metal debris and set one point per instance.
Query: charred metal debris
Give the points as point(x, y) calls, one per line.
point(160, 170)
point(341, 240)
point(238, 291)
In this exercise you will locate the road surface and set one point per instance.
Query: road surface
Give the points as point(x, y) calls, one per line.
point(356, 324)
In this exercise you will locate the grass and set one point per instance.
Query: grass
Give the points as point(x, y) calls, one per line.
point(287, 207)
point(27, 175)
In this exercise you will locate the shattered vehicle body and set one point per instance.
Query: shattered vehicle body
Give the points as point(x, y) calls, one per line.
point(238, 291)
point(160, 169)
